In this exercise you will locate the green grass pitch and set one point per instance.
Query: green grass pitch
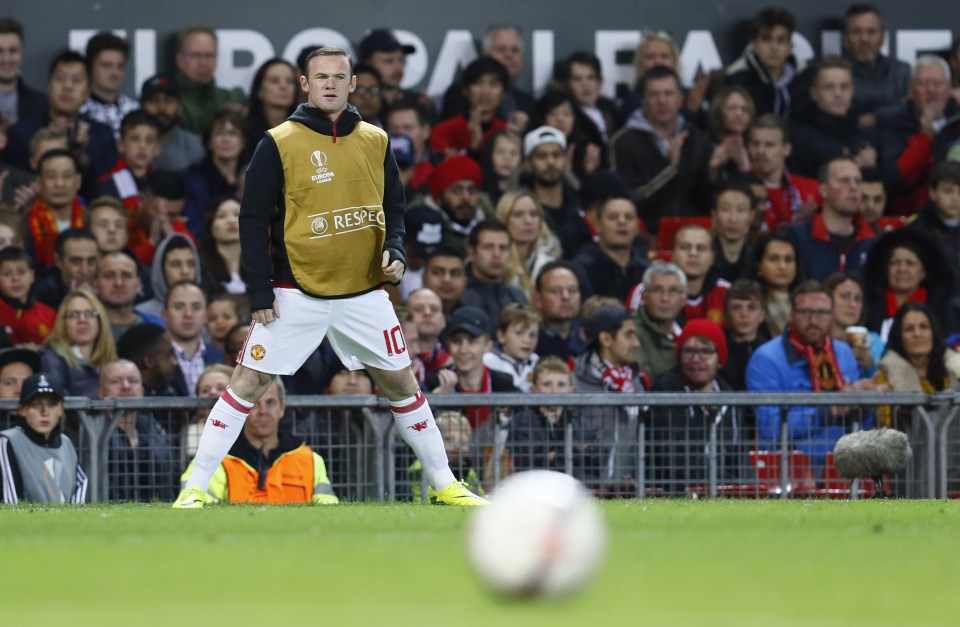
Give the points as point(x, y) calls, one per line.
point(670, 563)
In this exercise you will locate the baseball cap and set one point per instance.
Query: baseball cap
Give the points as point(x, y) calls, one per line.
point(20, 355)
point(543, 135)
point(424, 226)
point(473, 320)
point(403, 150)
point(159, 84)
point(37, 384)
point(608, 319)
point(381, 40)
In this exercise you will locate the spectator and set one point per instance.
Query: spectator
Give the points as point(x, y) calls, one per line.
point(148, 345)
point(612, 265)
point(790, 197)
point(906, 266)
point(423, 236)
point(778, 272)
point(139, 144)
point(583, 78)
point(514, 352)
point(916, 358)
point(557, 109)
point(873, 196)
point(16, 364)
point(803, 359)
point(662, 157)
point(273, 98)
point(108, 222)
point(185, 312)
point(38, 463)
point(176, 260)
point(219, 174)
point(19, 100)
point(381, 49)
point(608, 365)
point(24, 319)
point(693, 253)
point(916, 135)
point(117, 284)
point(485, 82)
point(211, 384)
point(107, 57)
point(468, 338)
point(410, 118)
point(501, 163)
point(656, 47)
point(729, 118)
point(92, 143)
point(940, 218)
point(268, 465)
point(837, 238)
point(223, 313)
point(488, 251)
point(680, 457)
point(140, 460)
point(233, 343)
point(59, 182)
point(179, 148)
point(428, 316)
point(43, 140)
point(11, 232)
point(196, 62)
point(80, 344)
point(830, 129)
point(532, 244)
point(878, 81)
point(346, 381)
point(446, 274)
point(75, 264)
point(367, 96)
point(656, 320)
point(162, 202)
point(453, 187)
point(849, 311)
point(745, 332)
point(732, 215)
point(767, 68)
point(220, 246)
point(557, 300)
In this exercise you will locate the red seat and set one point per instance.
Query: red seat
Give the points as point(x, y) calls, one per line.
point(801, 482)
point(668, 228)
point(834, 486)
point(890, 223)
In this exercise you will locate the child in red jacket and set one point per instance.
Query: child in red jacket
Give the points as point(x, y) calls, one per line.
point(25, 320)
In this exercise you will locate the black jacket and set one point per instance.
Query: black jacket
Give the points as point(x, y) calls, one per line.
point(599, 274)
point(819, 137)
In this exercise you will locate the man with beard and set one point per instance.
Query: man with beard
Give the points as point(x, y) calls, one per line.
point(489, 252)
point(446, 274)
point(179, 148)
point(453, 186)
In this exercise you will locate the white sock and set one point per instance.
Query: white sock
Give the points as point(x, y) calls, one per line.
point(221, 430)
point(418, 429)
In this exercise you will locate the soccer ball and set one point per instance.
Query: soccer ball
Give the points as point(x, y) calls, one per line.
point(541, 535)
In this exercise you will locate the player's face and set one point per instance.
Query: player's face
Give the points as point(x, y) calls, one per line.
point(117, 282)
point(121, 380)
point(519, 341)
point(328, 84)
point(11, 379)
point(186, 312)
point(264, 419)
point(43, 413)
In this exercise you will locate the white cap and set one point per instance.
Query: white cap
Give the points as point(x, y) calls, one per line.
point(543, 135)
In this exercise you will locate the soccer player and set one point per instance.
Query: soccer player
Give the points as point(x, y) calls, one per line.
point(336, 238)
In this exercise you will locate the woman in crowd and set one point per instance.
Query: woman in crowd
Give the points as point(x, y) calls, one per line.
point(220, 247)
point(916, 358)
point(502, 161)
point(368, 96)
point(219, 175)
point(776, 269)
point(532, 243)
point(273, 97)
point(80, 344)
point(849, 311)
point(905, 266)
point(729, 118)
point(656, 47)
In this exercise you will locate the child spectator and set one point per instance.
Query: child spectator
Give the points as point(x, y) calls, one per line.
point(108, 221)
point(516, 341)
point(745, 331)
point(940, 218)
point(223, 313)
point(139, 143)
point(37, 462)
point(25, 320)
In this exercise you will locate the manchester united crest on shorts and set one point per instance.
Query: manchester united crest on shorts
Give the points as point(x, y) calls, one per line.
point(257, 351)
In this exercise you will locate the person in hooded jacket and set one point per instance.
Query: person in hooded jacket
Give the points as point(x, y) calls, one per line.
point(176, 260)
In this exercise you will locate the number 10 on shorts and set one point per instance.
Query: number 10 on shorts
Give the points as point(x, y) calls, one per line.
point(393, 338)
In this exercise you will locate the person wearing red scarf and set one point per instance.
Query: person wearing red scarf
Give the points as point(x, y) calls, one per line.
point(805, 359)
point(57, 208)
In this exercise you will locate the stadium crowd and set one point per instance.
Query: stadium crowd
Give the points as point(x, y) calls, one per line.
point(776, 226)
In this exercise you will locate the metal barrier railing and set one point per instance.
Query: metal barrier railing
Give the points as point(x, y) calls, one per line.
point(742, 444)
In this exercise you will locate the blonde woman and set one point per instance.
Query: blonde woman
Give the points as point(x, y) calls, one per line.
point(532, 243)
point(80, 344)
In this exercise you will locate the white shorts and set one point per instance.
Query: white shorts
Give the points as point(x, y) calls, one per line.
point(363, 331)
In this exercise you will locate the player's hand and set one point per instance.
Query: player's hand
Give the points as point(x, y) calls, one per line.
point(394, 271)
point(266, 316)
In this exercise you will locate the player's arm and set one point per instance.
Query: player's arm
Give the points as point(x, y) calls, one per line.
point(262, 194)
point(394, 206)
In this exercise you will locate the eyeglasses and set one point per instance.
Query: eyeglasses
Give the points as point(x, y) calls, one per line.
point(363, 91)
point(813, 313)
point(86, 313)
point(690, 352)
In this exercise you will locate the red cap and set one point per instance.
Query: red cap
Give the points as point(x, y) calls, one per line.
point(452, 170)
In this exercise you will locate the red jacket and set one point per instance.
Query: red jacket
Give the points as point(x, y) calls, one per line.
point(30, 325)
point(455, 133)
point(782, 201)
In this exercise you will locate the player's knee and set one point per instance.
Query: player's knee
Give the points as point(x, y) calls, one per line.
point(250, 384)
